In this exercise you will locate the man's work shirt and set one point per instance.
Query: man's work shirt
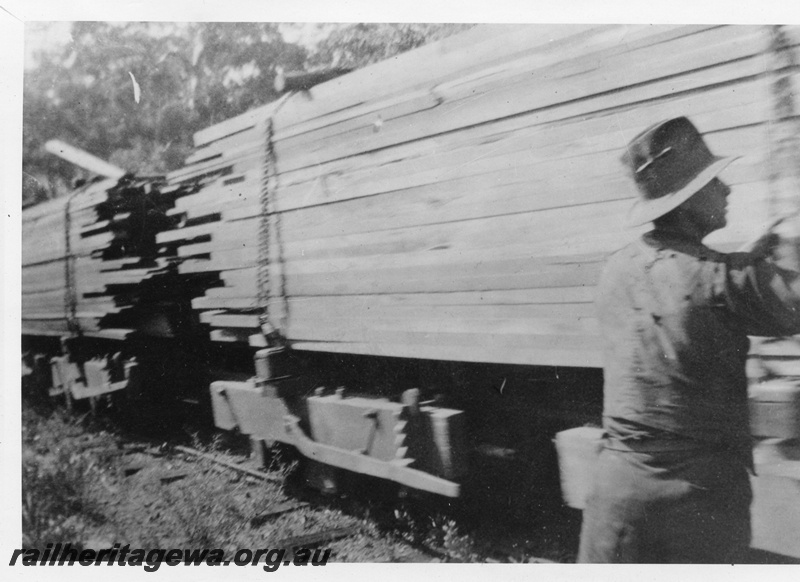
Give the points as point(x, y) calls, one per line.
point(675, 316)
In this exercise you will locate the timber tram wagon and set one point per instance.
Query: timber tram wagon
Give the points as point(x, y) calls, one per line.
point(392, 271)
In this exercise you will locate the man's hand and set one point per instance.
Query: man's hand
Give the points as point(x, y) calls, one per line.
point(783, 233)
point(764, 247)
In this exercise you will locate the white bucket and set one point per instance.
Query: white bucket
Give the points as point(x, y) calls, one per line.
point(578, 449)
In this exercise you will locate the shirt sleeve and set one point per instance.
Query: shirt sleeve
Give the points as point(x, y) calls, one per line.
point(764, 297)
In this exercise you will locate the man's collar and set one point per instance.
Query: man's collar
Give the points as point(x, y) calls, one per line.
point(676, 240)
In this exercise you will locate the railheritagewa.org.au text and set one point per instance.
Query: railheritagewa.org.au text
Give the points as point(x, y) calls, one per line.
point(270, 559)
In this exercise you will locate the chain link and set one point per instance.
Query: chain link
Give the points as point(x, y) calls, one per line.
point(268, 180)
point(784, 159)
point(269, 185)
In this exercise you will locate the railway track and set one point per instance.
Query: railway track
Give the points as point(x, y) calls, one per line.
point(201, 489)
point(136, 484)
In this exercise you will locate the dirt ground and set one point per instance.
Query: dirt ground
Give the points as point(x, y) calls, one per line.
point(86, 483)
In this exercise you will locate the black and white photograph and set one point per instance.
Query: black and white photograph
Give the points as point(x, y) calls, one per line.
point(457, 292)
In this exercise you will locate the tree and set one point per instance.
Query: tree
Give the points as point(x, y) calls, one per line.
point(188, 76)
point(134, 93)
point(357, 45)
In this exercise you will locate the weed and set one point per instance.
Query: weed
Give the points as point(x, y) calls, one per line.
point(457, 546)
point(437, 532)
point(57, 501)
point(209, 510)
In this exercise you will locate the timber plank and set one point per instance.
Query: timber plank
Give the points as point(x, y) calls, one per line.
point(434, 280)
point(574, 331)
point(570, 302)
point(199, 266)
point(224, 159)
point(225, 209)
point(191, 250)
point(511, 334)
point(122, 277)
point(215, 246)
point(48, 208)
point(32, 305)
point(241, 123)
point(55, 284)
point(370, 118)
point(51, 264)
point(206, 316)
point(483, 351)
point(50, 247)
point(389, 108)
point(255, 133)
point(426, 274)
point(187, 233)
point(222, 191)
point(42, 221)
point(229, 320)
point(368, 308)
point(232, 335)
point(237, 258)
point(456, 299)
point(212, 168)
point(519, 340)
point(240, 231)
point(44, 316)
point(43, 272)
point(347, 330)
point(211, 302)
point(113, 264)
point(89, 199)
point(55, 326)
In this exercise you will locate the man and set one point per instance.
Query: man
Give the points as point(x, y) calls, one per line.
point(672, 482)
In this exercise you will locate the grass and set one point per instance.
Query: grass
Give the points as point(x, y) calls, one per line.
point(75, 489)
point(86, 483)
point(215, 509)
point(57, 478)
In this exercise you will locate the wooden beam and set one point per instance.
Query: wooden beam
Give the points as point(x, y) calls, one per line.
point(83, 159)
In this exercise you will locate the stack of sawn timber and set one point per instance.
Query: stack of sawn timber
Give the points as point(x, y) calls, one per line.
point(45, 276)
point(94, 281)
point(457, 202)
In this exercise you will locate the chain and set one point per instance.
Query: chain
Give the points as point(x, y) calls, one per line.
point(784, 162)
point(269, 185)
point(268, 180)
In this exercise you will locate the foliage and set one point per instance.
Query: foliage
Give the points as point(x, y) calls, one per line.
point(357, 45)
point(56, 480)
point(186, 76)
point(189, 76)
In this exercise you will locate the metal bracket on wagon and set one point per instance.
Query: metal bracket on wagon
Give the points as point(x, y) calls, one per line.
point(396, 470)
point(101, 376)
point(371, 436)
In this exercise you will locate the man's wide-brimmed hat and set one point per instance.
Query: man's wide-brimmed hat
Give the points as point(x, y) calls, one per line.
point(669, 162)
